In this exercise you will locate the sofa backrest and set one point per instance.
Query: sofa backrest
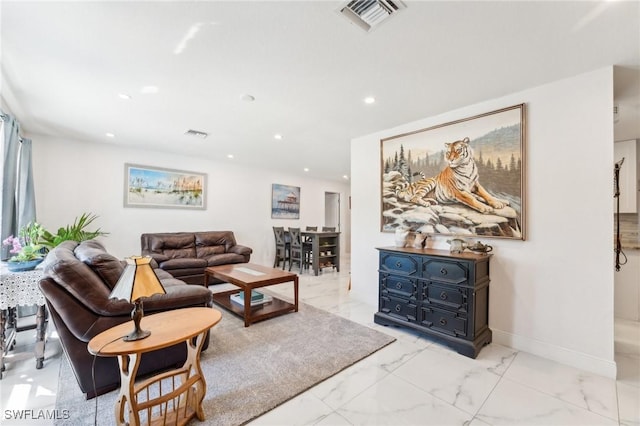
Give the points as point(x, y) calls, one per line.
point(178, 245)
point(94, 255)
point(174, 245)
point(84, 279)
point(214, 242)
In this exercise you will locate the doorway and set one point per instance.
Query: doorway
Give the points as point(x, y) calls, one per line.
point(332, 210)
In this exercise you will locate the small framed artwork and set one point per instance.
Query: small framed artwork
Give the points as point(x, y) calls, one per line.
point(463, 178)
point(285, 201)
point(155, 187)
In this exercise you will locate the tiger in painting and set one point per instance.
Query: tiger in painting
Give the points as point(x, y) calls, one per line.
point(458, 182)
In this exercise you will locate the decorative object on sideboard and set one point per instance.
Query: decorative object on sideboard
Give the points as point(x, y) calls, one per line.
point(419, 240)
point(401, 237)
point(478, 247)
point(457, 245)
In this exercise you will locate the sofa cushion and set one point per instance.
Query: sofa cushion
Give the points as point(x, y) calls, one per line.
point(225, 239)
point(177, 245)
point(224, 259)
point(186, 263)
point(162, 275)
point(206, 251)
point(107, 266)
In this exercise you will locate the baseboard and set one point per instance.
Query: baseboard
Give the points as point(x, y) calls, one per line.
point(582, 361)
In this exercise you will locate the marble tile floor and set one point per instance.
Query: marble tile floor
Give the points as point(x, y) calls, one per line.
point(413, 381)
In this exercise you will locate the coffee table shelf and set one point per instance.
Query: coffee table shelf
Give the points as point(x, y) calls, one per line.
point(258, 313)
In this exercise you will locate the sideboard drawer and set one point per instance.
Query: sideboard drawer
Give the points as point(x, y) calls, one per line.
point(444, 321)
point(398, 285)
point(399, 263)
point(451, 272)
point(400, 308)
point(446, 297)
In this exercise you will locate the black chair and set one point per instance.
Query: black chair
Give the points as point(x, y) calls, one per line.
point(295, 248)
point(328, 229)
point(281, 246)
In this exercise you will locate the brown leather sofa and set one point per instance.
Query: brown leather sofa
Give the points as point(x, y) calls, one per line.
point(77, 284)
point(185, 255)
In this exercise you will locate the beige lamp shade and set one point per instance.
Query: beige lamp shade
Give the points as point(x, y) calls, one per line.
point(137, 280)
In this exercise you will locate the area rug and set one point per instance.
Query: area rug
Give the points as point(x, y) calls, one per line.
point(250, 371)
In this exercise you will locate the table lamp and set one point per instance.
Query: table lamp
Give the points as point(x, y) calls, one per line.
point(138, 280)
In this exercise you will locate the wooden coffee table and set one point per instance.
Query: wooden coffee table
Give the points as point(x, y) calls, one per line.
point(249, 276)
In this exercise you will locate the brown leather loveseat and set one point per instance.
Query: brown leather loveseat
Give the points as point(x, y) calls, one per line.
point(185, 255)
point(77, 284)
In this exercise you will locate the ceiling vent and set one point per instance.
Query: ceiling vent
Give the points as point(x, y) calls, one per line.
point(196, 133)
point(368, 14)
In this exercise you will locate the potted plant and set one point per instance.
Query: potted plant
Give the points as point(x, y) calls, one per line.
point(75, 232)
point(26, 249)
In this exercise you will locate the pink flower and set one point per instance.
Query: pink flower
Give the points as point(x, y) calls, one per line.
point(14, 242)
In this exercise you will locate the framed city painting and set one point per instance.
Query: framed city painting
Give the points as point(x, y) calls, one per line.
point(285, 201)
point(155, 187)
point(463, 178)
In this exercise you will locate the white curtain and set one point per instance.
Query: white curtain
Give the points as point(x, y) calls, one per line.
point(18, 197)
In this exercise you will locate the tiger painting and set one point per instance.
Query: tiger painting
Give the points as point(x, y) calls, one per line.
point(458, 182)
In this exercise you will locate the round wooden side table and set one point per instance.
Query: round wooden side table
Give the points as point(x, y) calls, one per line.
point(171, 397)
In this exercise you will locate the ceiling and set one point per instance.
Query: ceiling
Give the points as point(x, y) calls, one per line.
point(188, 65)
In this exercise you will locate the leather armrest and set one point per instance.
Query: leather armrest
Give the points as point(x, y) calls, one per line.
point(159, 258)
point(241, 250)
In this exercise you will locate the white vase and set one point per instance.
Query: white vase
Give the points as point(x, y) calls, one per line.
point(401, 237)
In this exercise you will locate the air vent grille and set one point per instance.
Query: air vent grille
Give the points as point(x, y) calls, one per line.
point(196, 133)
point(368, 14)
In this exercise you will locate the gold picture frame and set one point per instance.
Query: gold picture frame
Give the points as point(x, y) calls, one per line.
point(464, 178)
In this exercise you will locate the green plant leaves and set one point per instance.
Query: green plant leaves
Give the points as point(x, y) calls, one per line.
point(74, 232)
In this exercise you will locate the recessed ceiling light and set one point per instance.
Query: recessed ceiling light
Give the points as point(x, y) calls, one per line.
point(369, 100)
point(124, 96)
point(345, 177)
point(248, 98)
point(229, 155)
point(277, 136)
point(110, 135)
point(306, 169)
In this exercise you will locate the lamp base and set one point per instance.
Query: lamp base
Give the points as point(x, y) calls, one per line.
point(136, 335)
point(136, 316)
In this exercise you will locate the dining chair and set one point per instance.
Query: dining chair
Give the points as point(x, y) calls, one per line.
point(281, 246)
point(295, 248)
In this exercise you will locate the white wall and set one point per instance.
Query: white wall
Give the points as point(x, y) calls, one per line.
point(74, 177)
point(550, 295)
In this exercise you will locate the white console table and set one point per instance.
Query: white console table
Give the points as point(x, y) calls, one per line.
point(20, 289)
